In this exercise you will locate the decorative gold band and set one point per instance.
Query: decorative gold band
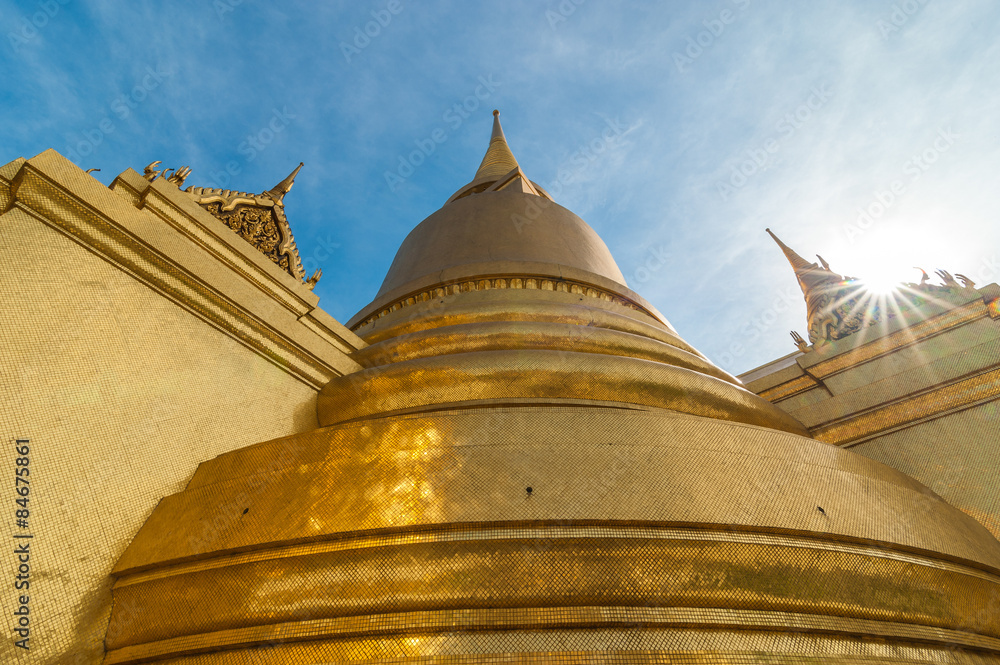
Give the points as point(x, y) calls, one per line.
point(427, 632)
point(960, 394)
point(524, 335)
point(542, 374)
point(788, 389)
point(447, 533)
point(504, 282)
point(551, 577)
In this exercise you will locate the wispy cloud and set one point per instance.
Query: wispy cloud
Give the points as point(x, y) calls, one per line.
point(655, 189)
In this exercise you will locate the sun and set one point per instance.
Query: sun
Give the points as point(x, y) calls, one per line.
point(882, 281)
point(885, 263)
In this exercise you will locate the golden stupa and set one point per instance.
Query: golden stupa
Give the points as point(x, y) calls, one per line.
point(534, 467)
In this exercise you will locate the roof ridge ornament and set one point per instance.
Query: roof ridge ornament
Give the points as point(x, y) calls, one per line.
point(277, 193)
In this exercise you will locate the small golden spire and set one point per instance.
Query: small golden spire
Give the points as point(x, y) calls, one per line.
point(798, 263)
point(278, 191)
point(499, 160)
point(823, 290)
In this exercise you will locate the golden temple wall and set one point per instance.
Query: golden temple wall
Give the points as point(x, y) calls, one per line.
point(957, 456)
point(116, 367)
point(923, 398)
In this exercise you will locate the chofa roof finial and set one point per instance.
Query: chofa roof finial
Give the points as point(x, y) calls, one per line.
point(278, 191)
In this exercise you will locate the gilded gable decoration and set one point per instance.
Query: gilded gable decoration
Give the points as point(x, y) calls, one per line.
point(257, 218)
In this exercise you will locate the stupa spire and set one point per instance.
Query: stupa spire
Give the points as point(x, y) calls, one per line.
point(499, 160)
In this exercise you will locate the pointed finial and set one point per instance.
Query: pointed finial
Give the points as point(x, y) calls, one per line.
point(497, 129)
point(278, 191)
point(798, 263)
point(499, 160)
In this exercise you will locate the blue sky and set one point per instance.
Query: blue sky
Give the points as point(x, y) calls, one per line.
point(728, 117)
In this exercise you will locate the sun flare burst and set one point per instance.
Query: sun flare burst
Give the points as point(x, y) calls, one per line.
point(881, 282)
